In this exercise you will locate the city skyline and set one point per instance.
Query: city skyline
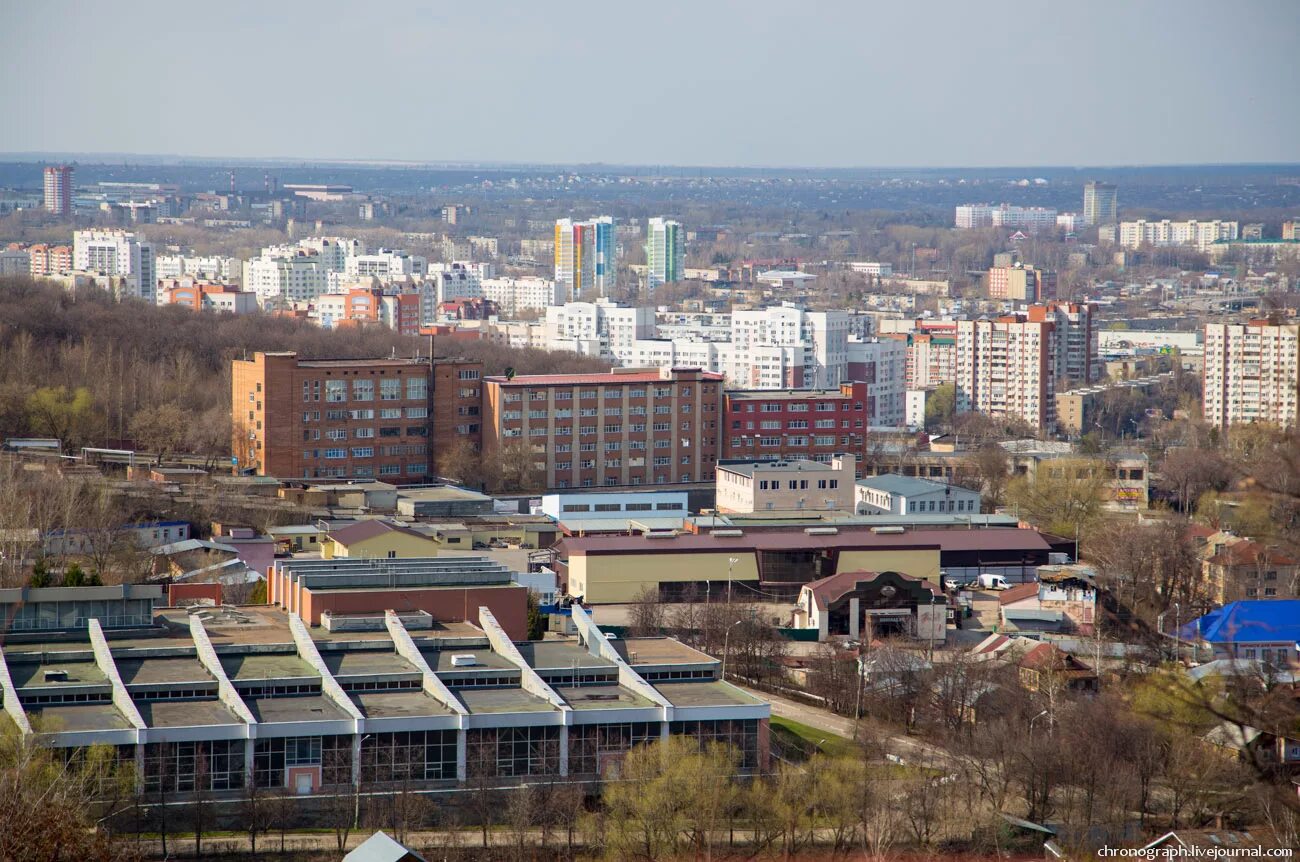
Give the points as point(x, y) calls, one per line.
point(847, 84)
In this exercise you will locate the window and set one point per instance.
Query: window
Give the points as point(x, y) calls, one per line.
point(418, 388)
point(336, 453)
point(390, 389)
point(466, 374)
point(390, 413)
point(364, 433)
point(363, 390)
point(363, 452)
point(336, 390)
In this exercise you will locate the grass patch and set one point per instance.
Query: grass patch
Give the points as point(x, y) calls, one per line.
point(810, 739)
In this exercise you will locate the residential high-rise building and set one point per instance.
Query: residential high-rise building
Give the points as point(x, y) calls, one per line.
point(601, 328)
point(1252, 373)
point(58, 189)
point(1021, 282)
point(1032, 219)
point(1202, 234)
point(299, 278)
point(1007, 368)
point(120, 253)
point(585, 255)
point(1077, 360)
point(882, 365)
point(1291, 229)
point(1100, 203)
point(620, 428)
point(821, 336)
point(665, 252)
point(346, 418)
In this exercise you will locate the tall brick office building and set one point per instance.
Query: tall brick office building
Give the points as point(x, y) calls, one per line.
point(631, 427)
point(350, 418)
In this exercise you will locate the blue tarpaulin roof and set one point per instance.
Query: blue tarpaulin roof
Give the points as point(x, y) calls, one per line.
point(1259, 621)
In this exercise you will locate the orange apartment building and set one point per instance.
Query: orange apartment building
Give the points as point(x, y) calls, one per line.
point(50, 259)
point(197, 295)
point(347, 418)
point(632, 427)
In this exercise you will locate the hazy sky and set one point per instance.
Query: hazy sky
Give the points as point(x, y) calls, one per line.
point(706, 82)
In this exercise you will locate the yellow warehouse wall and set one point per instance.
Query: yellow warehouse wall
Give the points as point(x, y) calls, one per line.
point(403, 544)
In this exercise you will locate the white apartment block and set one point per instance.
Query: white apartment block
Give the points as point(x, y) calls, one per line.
point(1007, 368)
point(333, 251)
point(871, 267)
point(528, 293)
point(1032, 219)
point(884, 369)
point(275, 279)
point(484, 246)
point(387, 265)
point(600, 328)
point(822, 335)
point(1252, 373)
point(118, 253)
point(213, 267)
point(1135, 234)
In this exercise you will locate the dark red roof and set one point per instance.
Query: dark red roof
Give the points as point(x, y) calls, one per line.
point(363, 530)
point(1018, 592)
point(830, 589)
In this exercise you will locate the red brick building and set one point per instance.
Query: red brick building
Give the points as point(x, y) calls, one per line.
point(340, 418)
point(776, 425)
point(621, 428)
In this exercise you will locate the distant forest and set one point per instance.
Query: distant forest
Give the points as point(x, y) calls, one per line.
point(84, 368)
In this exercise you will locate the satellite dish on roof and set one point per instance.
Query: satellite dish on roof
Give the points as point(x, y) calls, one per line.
point(510, 373)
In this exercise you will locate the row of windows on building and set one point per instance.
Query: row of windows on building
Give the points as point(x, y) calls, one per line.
point(770, 442)
point(217, 765)
point(361, 415)
point(796, 425)
point(800, 407)
point(611, 394)
point(364, 389)
point(615, 481)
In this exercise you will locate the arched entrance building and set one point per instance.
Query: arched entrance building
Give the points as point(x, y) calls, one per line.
point(875, 604)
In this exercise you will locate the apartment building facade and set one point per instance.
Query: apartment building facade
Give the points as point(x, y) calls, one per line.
point(785, 425)
point(1022, 283)
point(665, 252)
point(620, 428)
point(585, 256)
point(341, 418)
point(1202, 234)
point(58, 189)
point(118, 253)
point(1252, 373)
point(1006, 367)
point(1100, 203)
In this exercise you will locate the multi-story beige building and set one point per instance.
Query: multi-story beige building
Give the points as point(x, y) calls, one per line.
point(1135, 234)
point(1023, 283)
point(786, 486)
point(622, 428)
point(1252, 373)
point(1007, 367)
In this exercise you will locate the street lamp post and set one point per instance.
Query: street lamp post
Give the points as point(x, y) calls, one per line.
point(726, 640)
point(1035, 718)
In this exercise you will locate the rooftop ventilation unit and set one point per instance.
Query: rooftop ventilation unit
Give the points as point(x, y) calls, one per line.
point(662, 534)
point(822, 531)
point(56, 676)
point(888, 530)
point(727, 534)
point(463, 660)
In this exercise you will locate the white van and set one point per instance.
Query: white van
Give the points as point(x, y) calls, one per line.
point(993, 582)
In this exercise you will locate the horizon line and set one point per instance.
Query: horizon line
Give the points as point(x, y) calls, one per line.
point(102, 158)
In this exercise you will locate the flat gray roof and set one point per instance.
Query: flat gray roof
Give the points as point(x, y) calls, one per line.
point(440, 660)
point(365, 662)
point(481, 700)
point(397, 704)
point(32, 675)
point(78, 717)
point(892, 483)
point(186, 713)
point(300, 708)
point(266, 666)
point(586, 697)
point(705, 694)
point(153, 671)
point(550, 655)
